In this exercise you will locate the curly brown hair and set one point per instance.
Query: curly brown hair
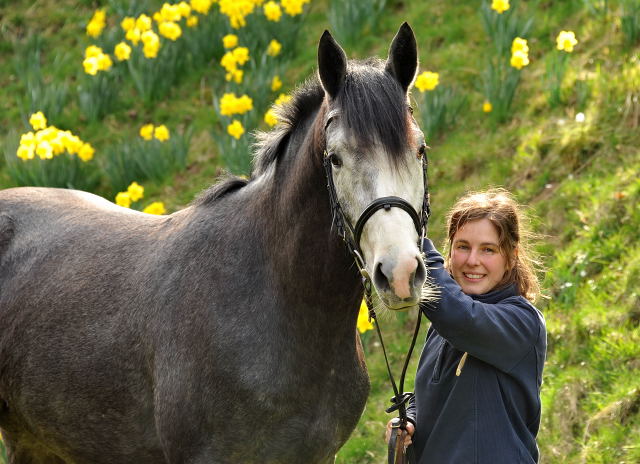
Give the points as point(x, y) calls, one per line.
point(507, 216)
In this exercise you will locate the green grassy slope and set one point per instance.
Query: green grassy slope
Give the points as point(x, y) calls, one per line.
point(579, 178)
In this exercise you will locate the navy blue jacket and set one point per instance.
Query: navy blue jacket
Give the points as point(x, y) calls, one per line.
point(490, 414)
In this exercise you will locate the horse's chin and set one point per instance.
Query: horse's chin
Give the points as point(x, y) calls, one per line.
point(396, 304)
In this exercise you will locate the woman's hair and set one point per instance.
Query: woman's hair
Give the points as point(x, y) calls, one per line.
point(498, 206)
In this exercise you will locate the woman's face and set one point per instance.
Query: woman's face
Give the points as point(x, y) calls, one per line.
point(476, 261)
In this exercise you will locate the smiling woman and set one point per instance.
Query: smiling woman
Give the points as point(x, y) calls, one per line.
point(478, 381)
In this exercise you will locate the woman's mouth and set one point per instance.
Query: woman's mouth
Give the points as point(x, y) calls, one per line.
point(473, 277)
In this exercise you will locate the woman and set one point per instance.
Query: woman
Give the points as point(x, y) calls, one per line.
point(477, 389)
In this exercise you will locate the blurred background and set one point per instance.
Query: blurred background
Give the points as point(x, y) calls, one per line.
point(145, 103)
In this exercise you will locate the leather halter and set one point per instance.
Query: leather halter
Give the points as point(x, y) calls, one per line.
point(351, 236)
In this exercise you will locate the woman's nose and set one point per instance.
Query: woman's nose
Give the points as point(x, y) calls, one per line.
point(474, 258)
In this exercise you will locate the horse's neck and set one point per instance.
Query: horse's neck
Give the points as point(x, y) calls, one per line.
point(311, 261)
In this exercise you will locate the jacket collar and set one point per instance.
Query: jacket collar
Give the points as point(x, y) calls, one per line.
point(497, 295)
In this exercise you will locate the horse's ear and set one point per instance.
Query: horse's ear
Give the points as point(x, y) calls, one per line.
point(403, 56)
point(332, 64)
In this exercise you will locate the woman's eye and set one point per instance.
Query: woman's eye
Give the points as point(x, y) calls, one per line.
point(335, 160)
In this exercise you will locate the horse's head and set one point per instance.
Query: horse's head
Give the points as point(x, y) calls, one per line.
point(375, 149)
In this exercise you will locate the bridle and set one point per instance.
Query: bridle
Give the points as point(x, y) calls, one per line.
point(351, 237)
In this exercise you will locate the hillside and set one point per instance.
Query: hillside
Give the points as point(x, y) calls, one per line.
point(566, 145)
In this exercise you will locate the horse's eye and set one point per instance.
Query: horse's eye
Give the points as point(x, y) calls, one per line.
point(422, 150)
point(335, 160)
point(411, 109)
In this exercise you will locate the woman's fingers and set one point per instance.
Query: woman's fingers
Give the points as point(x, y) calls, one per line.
point(410, 431)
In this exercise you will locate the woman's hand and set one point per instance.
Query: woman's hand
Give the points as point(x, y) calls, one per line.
point(410, 430)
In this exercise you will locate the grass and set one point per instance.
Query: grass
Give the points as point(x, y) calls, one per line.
point(579, 178)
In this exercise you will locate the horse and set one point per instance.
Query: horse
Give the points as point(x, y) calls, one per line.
point(226, 331)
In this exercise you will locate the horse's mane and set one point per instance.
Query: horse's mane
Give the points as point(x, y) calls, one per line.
point(372, 107)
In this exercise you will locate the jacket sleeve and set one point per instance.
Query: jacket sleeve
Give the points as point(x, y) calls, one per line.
point(500, 334)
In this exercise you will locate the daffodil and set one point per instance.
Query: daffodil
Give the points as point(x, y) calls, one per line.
point(157, 207)
point(272, 11)
point(500, 5)
point(566, 40)
point(230, 41)
point(86, 152)
point(97, 23)
point(201, 6)
point(185, 9)
point(363, 324)
point(427, 81)
point(133, 36)
point(276, 84)
point(151, 43)
point(122, 51)
point(123, 199)
point(128, 23)
point(519, 60)
point(487, 107)
point(230, 104)
point(135, 191)
point(161, 133)
point(519, 45)
point(270, 118)
point(241, 55)
point(170, 30)
point(38, 120)
point(92, 51)
point(282, 99)
point(146, 131)
point(143, 23)
point(274, 48)
point(192, 21)
point(292, 7)
point(236, 76)
point(235, 129)
point(170, 13)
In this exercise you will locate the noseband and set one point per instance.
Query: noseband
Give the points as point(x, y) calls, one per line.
point(351, 237)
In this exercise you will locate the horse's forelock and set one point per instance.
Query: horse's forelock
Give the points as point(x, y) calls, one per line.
point(373, 107)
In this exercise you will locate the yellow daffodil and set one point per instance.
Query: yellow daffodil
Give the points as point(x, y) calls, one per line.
point(230, 41)
point(292, 7)
point(92, 51)
point(146, 131)
point(272, 11)
point(519, 60)
point(228, 62)
point(170, 13)
point(122, 51)
point(519, 45)
point(192, 21)
point(363, 323)
point(274, 48)
point(236, 11)
point(282, 99)
point(44, 150)
point(123, 199)
point(143, 23)
point(276, 84)
point(133, 36)
point(427, 81)
point(151, 44)
point(91, 65)
point(236, 76)
point(161, 133)
point(566, 40)
point(25, 153)
point(135, 191)
point(104, 62)
point(96, 24)
point(38, 121)
point(185, 9)
point(270, 118)
point(230, 104)
point(157, 207)
point(487, 107)
point(235, 129)
point(170, 30)
point(128, 23)
point(241, 55)
point(500, 5)
point(201, 6)
point(86, 152)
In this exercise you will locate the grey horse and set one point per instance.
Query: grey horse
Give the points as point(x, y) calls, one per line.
point(225, 332)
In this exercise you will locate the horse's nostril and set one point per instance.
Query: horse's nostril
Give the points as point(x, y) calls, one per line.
point(380, 280)
point(420, 275)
